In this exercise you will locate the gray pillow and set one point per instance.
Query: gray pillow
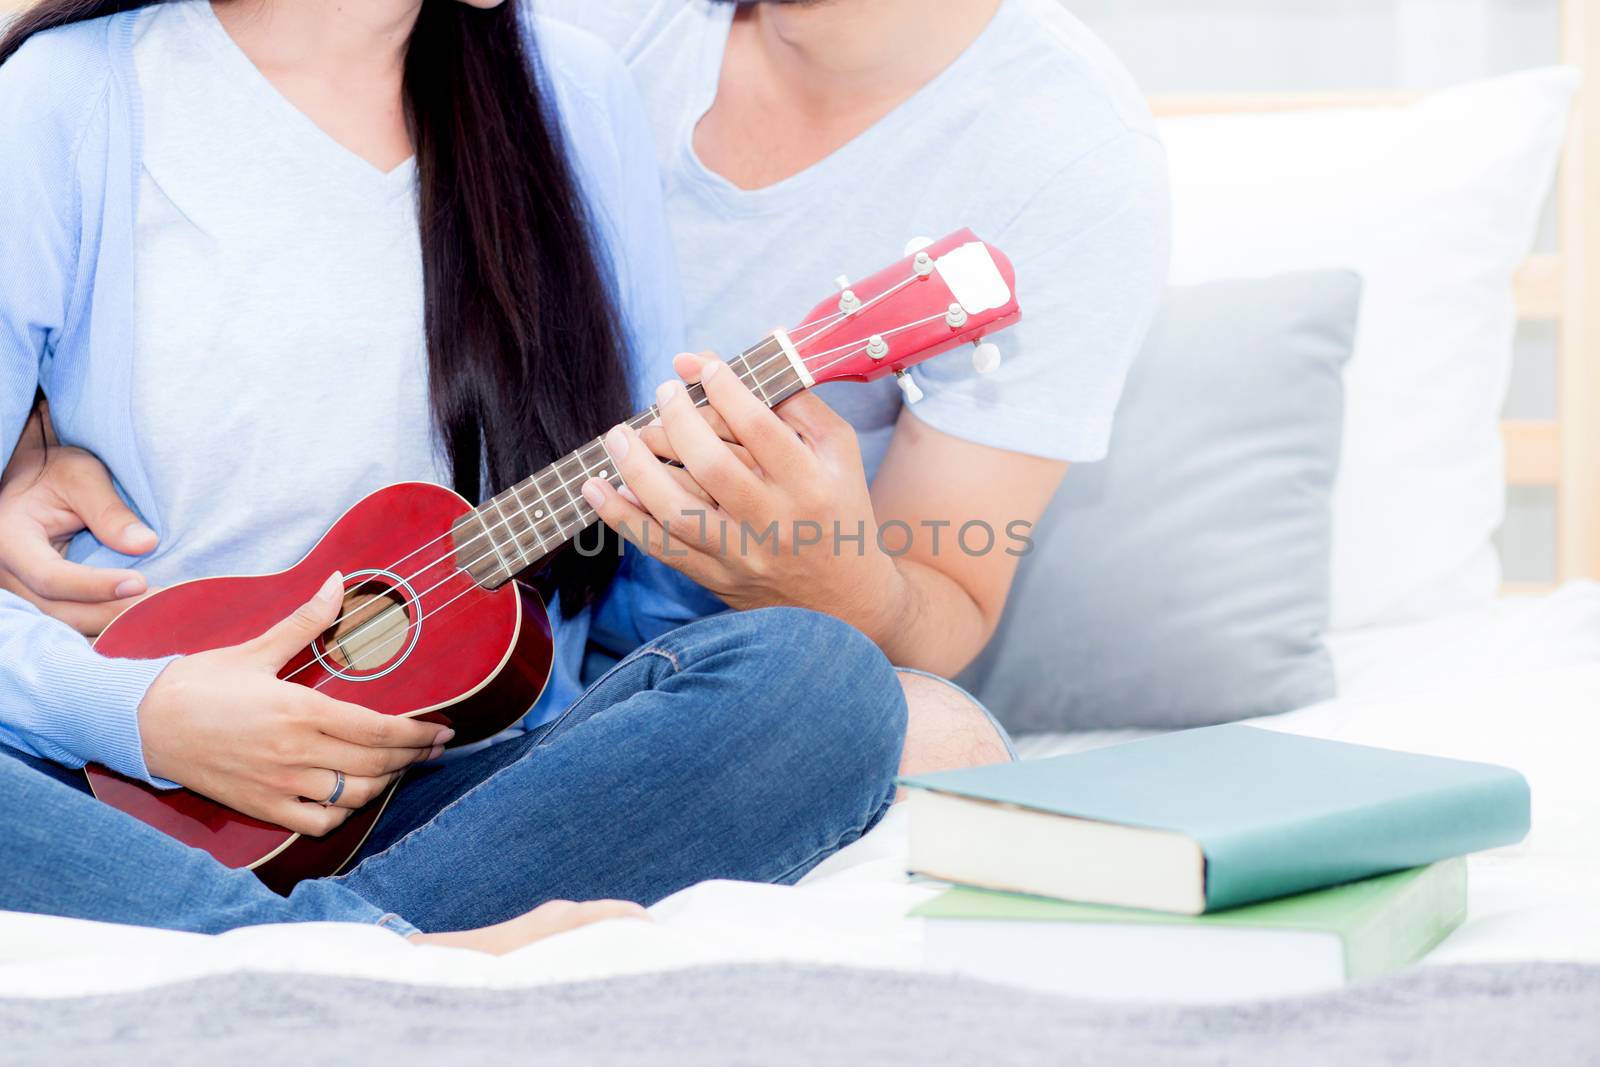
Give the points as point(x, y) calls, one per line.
point(1184, 580)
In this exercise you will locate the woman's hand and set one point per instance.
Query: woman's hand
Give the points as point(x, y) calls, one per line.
point(47, 496)
point(223, 724)
point(770, 507)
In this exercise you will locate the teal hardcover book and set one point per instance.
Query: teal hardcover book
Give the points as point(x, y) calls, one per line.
point(1201, 820)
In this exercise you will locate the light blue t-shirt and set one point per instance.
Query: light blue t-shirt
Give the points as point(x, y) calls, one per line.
point(1035, 137)
point(275, 270)
point(233, 321)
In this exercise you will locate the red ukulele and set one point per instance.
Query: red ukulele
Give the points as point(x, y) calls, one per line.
point(433, 624)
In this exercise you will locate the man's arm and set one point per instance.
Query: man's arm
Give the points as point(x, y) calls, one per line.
point(48, 494)
point(971, 510)
point(1091, 239)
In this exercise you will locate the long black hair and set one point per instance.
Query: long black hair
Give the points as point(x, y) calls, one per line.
point(526, 353)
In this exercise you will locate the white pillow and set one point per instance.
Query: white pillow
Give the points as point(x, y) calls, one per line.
point(1435, 204)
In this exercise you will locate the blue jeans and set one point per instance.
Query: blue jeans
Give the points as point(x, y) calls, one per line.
point(748, 746)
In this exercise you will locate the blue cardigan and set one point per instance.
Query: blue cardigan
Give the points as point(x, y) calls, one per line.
point(70, 135)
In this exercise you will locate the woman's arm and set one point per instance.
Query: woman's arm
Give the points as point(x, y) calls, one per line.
point(57, 697)
point(149, 719)
point(281, 742)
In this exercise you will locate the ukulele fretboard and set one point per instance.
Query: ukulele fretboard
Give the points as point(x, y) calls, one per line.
point(533, 518)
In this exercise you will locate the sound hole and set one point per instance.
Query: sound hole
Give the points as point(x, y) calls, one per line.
point(372, 629)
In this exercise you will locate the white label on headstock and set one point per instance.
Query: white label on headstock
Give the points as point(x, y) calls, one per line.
point(974, 279)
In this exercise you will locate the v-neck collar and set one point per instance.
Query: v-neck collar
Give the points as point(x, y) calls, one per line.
point(317, 139)
point(847, 158)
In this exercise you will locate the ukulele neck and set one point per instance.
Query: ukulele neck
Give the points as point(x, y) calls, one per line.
point(521, 526)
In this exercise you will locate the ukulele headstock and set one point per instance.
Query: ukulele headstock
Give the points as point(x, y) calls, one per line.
point(944, 293)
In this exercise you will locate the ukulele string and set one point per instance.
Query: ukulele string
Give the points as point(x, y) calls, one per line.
point(886, 333)
point(827, 322)
point(494, 549)
point(640, 421)
point(824, 325)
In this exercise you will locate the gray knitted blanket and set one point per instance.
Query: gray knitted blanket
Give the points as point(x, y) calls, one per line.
point(1528, 1013)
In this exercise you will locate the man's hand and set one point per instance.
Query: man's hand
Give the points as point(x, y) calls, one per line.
point(223, 724)
point(769, 507)
point(47, 496)
point(931, 604)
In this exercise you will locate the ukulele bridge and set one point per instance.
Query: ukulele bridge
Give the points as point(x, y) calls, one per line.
point(378, 626)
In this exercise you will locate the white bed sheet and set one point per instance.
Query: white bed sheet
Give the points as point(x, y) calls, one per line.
point(1517, 683)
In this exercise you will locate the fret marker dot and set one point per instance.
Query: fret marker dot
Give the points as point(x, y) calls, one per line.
point(603, 474)
point(538, 513)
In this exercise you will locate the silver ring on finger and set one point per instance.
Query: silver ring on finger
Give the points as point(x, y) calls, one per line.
point(338, 789)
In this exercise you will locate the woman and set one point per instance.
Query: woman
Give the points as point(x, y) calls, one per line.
point(269, 244)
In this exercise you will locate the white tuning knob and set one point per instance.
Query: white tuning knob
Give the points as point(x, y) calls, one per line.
point(907, 386)
point(917, 244)
point(985, 357)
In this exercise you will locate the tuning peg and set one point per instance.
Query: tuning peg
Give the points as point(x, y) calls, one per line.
point(985, 357)
point(907, 386)
point(917, 244)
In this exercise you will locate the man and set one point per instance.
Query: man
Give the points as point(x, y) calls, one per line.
point(800, 139)
point(804, 138)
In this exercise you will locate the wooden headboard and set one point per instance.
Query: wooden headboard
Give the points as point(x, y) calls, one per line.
point(1561, 287)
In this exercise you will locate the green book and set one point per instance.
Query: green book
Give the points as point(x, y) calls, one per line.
point(1203, 820)
point(1299, 944)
